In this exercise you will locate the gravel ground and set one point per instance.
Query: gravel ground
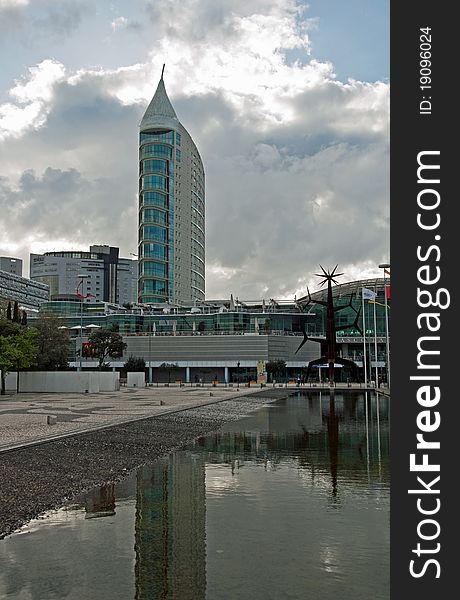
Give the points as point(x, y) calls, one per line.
point(40, 478)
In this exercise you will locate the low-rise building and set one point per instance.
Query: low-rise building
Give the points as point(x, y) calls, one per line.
point(27, 293)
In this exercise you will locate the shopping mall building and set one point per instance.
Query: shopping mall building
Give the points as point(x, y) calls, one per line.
point(229, 340)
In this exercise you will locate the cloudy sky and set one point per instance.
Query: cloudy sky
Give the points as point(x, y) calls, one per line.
point(287, 101)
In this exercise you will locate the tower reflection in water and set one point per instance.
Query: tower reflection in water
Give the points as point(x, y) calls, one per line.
point(342, 443)
point(170, 529)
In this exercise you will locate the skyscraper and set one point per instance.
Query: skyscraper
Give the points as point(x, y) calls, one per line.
point(171, 207)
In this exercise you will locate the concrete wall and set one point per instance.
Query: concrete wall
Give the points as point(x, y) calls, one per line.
point(68, 382)
point(198, 350)
point(11, 381)
point(109, 382)
point(135, 380)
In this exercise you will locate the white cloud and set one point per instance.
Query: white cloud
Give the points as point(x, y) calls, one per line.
point(13, 3)
point(119, 23)
point(33, 95)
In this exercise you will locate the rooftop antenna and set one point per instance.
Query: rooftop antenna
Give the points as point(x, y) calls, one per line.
point(162, 71)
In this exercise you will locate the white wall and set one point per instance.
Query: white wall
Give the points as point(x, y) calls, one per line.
point(11, 382)
point(68, 382)
point(135, 380)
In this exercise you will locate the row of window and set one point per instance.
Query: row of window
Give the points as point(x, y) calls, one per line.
point(154, 269)
point(159, 150)
point(152, 215)
point(161, 136)
point(157, 234)
point(152, 250)
point(154, 182)
point(155, 199)
point(154, 286)
point(156, 165)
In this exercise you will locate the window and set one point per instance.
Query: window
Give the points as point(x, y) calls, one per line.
point(150, 215)
point(154, 269)
point(154, 182)
point(154, 166)
point(159, 150)
point(178, 139)
point(161, 136)
point(151, 250)
point(155, 198)
point(178, 155)
point(154, 286)
point(158, 234)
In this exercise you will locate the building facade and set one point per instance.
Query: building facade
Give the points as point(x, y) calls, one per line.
point(28, 294)
point(107, 278)
point(226, 340)
point(171, 208)
point(11, 265)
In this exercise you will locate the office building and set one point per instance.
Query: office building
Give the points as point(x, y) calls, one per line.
point(28, 294)
point(11, 265)
point(171, 208)
point(108, 278)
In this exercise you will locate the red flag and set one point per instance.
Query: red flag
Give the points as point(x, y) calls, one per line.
point(387, 292)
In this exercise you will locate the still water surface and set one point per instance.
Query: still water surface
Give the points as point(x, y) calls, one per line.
point(289, 503)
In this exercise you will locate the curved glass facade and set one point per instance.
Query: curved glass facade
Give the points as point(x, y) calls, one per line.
point(171, 208)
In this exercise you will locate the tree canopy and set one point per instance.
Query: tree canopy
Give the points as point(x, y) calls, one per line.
point(134, 364)
point(53, 344)
point(18, 348)
point(107, 344)
point(275, 368)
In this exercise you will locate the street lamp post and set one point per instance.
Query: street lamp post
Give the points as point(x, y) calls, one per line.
point(82, 278)
point(385, 266)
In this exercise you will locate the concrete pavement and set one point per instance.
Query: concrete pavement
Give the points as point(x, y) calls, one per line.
point(23, 417)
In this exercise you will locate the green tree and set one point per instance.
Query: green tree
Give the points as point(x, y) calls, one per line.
point(53, 344)
point(16, 315)
point(18, 349)
point(9, 315)
point(275, 368)
point(107, 344)
point(134, 364)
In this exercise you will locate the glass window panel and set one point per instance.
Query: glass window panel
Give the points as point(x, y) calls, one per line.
point(150, 215)
point(154, 182)
point(155, 269)
point(152, 250)
point(154, 166)
point(154, 233)
point(154, 286)
point(162, 136)
point(155, 199)
point(159, 150)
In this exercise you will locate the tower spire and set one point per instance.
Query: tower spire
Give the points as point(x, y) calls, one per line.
point(162, 71)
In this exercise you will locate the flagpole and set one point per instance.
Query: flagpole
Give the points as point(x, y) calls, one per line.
point(375, 340)
point(364, 340)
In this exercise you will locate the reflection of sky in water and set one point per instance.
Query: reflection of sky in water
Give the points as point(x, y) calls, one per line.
point(284, 504)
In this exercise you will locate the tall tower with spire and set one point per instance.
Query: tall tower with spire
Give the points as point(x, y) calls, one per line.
point(171, 207)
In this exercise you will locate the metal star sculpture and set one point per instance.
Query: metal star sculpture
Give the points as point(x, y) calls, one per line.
point(330, 343)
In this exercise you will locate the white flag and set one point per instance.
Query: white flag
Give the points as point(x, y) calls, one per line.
point(368, 294)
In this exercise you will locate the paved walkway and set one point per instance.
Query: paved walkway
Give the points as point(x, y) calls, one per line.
point(23, 417)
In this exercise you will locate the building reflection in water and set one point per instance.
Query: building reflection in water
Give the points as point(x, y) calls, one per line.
point(100, 502)
point(340, 441)
point(170, 544)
